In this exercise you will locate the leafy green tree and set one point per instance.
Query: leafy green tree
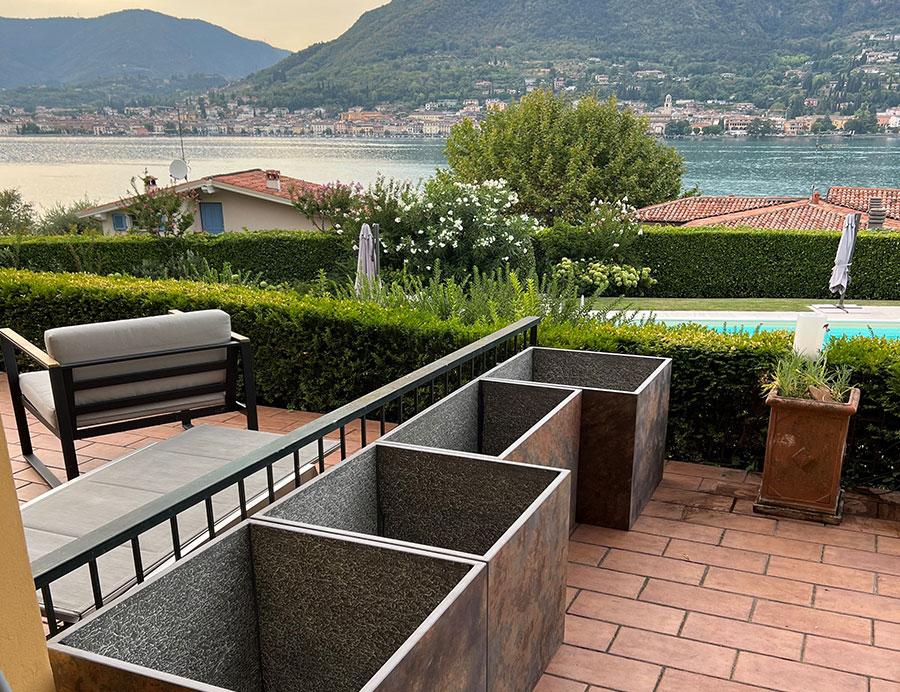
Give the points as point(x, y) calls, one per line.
point(16, 215)
point(62, 219)
point(863, 122)
point(559, 158)
point(822, 125)
point(761, 127)
point(678, 128)
point(159, 211)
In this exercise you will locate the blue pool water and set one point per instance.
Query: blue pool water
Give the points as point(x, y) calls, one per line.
point(836, 330)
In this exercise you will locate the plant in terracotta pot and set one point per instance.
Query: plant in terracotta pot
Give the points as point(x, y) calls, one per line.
point(810, 405)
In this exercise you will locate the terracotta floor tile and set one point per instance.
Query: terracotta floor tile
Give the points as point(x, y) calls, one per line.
point(729, 488)
point(887, 635)
point(664, 510)
point(705, 471)
point(853, 658)
point(818, 573)
point(889, 545)
point(585, 553)
point(789, 676)
point(829, 535)
point(604, 580)
point(653, 566)
point(31, 491)
point(624, 611)
point(588, 633)
point(678, 529)
point(772, 545)
point(856, 603)
point(813, 621)
point(888, 585)
point(862, 559)
point(551, 683)
point(881, 527)
point(628, 540)
point(728, 520)
point(692, 498)
point(652, 647)
point(603, 669)
point(883, 686)
point(674, 480)
point(682, 681)
point(696, 598)
point(743, 635)
point(773, 588)
point(717, 555)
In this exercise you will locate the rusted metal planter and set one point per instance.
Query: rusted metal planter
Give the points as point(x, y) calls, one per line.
point(804, 458)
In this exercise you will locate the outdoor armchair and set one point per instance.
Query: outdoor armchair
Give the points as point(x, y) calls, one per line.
point(109, 377)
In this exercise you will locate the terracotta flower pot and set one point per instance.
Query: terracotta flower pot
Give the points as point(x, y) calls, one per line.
point(804, 457)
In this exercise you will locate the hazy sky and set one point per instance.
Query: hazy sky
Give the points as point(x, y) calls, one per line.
point(291, 24)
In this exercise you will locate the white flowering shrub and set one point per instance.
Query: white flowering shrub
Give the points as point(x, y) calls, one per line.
point(457, 226)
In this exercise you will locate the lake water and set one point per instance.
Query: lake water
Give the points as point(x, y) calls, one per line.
point(52, 169)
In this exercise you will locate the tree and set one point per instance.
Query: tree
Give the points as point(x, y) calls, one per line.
point(760, 127)
point(863, 122)
point(159, 211)
point(16, 215)
point(822, 125)
point(678, 128)
point(62, 219)
point(558, 158)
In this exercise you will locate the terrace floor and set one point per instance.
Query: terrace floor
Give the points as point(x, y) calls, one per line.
point(701, 595)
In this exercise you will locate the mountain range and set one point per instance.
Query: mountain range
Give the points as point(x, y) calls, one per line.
point(413, 50)
point(132, 44)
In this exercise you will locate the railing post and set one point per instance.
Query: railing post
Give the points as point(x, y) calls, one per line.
point(532, 335)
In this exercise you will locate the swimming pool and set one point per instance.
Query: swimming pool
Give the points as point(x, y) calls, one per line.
point(836, 329)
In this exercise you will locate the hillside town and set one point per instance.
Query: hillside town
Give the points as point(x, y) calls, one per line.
point(675, 118)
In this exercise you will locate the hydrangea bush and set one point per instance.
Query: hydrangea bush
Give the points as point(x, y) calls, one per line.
point(598, 278)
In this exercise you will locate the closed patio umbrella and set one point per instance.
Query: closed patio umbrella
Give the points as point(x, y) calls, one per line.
point(366, 262)
point(840, 275)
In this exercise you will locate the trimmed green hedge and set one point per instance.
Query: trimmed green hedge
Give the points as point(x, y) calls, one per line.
point(744, 263)
point(309, 353)
point(278, 255)
point(317, 354)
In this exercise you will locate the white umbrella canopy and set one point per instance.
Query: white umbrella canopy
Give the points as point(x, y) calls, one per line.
point(367, 260)
point(840, 275)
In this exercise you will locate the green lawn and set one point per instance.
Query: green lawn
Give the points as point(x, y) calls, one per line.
point(738, 304)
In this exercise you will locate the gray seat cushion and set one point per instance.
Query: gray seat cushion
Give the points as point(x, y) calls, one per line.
point(36, 389)
point(122, 338)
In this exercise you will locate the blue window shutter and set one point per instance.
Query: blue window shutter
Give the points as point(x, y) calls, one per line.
point(120, 222)
point(212, 219)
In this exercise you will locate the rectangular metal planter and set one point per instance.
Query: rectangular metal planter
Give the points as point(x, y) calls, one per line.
point(624, 415)
point(267, 608)
point(512, 516)
point(517, 421)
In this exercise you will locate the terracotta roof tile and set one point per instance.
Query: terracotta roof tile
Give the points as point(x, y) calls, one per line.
point(858, 198)
point(802, 217)
point(693, 208)
point(255, 180)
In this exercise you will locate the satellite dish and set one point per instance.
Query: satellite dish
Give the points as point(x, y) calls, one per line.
point(178, 169)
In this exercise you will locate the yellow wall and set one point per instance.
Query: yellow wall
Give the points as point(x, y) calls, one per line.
point(254, 214)
point(23, 650)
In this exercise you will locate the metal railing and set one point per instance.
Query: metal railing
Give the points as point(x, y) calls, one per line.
point(393, 402)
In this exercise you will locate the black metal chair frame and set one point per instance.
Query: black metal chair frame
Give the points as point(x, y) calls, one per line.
point(64, 387)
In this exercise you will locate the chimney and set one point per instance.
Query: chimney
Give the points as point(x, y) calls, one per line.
point(877, 212)
point(150, 184)
point(816, 197)
point(273, 180)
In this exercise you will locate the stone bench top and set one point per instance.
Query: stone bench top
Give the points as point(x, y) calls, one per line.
point(104, 495)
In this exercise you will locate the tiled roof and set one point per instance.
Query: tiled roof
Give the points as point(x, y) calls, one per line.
point(255, 181)
point(858, 198)
point(805, 216)
point(693, 208)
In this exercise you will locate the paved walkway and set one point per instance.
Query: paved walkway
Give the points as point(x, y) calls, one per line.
point(702, 595)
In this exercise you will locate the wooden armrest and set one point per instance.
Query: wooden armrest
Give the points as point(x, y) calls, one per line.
point(28, 348)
